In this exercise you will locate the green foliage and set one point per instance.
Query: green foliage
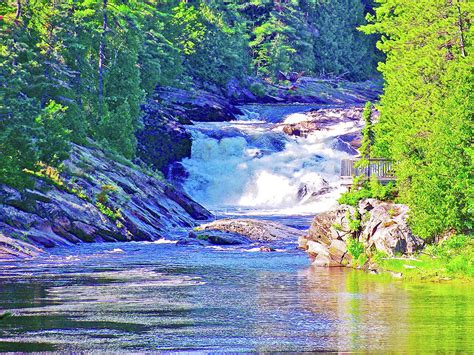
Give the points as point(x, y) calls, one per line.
point(426, 110)
point(368, 136)
point(257, 89)
point(352, 57)
point(52, 139)
point(361, 260)
point(317, 36)
point(353, 197)
point(202, 237)
point(48, 173)
point(105, 190)
point(113, 214)
point(452, 258)
point(355, 248)
point(449, 247)
point(354, 221)
point(221, 52)
point(369, 189)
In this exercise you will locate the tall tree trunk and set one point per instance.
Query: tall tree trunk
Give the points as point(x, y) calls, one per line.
point(461, 31)
point(102, 55)
point(18, 9)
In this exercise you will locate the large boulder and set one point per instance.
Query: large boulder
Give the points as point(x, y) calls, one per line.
point(326, 239)
point(214, 237)
point(163, 139)
point(386, 229)
point(13, 248)
point(317, 120)
point(383, 227)
point(313, 90)
point(196, 105)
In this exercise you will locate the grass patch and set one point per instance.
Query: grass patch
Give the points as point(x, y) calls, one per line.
point(113, 214)
point(451, 259)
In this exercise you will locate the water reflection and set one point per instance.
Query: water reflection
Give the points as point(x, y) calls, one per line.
point(156, 297)
point(378, 314)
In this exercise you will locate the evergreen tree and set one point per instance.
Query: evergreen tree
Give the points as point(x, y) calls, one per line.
point(426, 110)
point(221, 54)
point(340, 49)
point(368, 136)
point(281, 38)
point(31, 125)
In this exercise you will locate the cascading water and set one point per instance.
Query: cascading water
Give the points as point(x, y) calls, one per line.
point(250, 166)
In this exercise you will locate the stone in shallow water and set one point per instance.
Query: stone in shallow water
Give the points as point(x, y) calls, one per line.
point(253, 229)
point(218, 237)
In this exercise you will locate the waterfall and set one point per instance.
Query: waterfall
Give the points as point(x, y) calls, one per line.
point(251, 166)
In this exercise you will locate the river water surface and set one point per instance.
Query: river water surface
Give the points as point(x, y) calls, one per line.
point(150, 297)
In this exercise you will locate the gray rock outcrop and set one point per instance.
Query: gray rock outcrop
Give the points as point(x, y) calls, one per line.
point(95, 199)
point(382, 227)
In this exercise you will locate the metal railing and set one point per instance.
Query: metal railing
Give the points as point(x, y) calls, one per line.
point(381, 168)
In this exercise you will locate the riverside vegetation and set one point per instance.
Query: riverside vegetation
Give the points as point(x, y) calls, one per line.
point(426, 128)
point(79, 72)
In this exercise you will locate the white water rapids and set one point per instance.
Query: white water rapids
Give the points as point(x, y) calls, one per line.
point(250, 166)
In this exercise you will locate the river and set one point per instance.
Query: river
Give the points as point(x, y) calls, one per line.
point(150, 296)
point(160, 296)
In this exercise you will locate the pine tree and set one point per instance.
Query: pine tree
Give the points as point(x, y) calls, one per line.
point(32, 75)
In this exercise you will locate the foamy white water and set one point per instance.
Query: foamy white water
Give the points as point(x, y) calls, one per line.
point(250, 166)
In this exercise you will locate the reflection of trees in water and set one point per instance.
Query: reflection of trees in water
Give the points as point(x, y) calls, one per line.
point(444, 317)
point(369, 313)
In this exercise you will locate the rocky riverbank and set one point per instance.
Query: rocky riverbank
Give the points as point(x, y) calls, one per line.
point(340, 236)
point(94, 199)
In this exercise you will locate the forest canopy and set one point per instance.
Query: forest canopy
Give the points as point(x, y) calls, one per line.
point(78, 69)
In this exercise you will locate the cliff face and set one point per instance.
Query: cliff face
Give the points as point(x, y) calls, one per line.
point(94, 199)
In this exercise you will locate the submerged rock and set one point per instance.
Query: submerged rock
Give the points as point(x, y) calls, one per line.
point(383, 227)
point(14, 248)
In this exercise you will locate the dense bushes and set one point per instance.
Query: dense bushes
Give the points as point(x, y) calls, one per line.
point(452, 258)
point(369, 189)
